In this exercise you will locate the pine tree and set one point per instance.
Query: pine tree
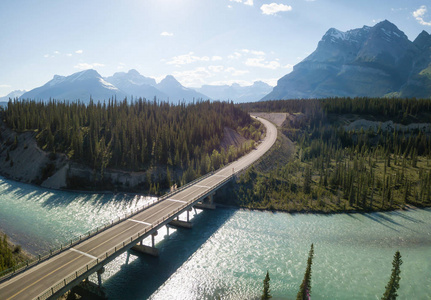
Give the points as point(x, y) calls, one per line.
point(394, 281)
point(266, 292)
point(305, 288)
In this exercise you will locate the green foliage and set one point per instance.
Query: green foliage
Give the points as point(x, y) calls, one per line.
point(135, 136)
point(266, 291)
point(305, 288)
point(394, 281)
point(338, 169)
point(6, 256)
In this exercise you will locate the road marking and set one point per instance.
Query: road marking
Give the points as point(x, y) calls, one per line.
point(61, 267)
point(177, 200)
point(83, 253)
point(202, 186)
point(142, 222)
point(254, 154)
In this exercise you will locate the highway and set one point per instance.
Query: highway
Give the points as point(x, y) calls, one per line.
point(35, 281)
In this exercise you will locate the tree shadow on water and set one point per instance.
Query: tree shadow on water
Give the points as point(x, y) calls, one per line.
point(142, 277)
point(49, 198)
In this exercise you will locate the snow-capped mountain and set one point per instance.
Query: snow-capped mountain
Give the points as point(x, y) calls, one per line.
point(176, 92)
point(78, 86)
point(12, 95)
point(136, 85)
point(90, 83)
point(369, 61)
point(236, 93)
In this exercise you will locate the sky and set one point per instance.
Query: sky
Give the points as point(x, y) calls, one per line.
point(198, 41)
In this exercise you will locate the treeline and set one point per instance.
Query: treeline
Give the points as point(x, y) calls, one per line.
point(395, 109)
point(135, 135)
point(6, 255)
point(336, 168)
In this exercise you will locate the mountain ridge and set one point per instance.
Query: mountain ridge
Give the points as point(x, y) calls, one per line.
point(369, 61)
point(89, 84)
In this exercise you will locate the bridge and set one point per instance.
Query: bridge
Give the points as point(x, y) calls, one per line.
point(50, 277)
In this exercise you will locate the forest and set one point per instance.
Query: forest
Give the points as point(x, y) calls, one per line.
point(182, 139)
point(335, 167)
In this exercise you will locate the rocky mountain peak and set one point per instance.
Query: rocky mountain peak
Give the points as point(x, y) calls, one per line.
point(368, 61)
point(423, 40)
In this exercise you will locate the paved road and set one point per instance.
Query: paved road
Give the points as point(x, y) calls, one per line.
point(35, 281)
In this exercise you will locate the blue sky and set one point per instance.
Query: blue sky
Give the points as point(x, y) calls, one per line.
point(197, 41)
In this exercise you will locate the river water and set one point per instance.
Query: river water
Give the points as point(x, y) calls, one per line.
point(228, 251)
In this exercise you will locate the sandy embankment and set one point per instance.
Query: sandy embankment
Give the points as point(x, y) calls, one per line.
point(276, 118)
point(22, 160)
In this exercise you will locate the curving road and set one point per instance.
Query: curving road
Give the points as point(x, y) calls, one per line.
point(36, 281)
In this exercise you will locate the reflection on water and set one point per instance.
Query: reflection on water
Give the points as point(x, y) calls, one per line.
point(39, 219)
point(228, 252)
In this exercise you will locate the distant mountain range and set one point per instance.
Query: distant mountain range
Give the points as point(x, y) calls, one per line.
point(89, 83)
point(237, 93)
point(369, 61)
point(12, 95)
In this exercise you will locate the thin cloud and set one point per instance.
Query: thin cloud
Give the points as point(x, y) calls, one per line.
point(254, 52)
point(274, 8)
point(186, 59)
point(235, 55)
point(216, 69)
point(246, 2)
point(216, 58)
point(79, 51)
point(261, 63)
point(235, 72)
point(165, 33)
point(419, 15)
point(195, 77)
point(4, 86)
point(86, 66)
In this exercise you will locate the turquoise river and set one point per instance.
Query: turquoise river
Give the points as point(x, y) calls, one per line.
point(227, 253)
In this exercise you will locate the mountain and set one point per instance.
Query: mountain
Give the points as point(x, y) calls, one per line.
point(81, 85)
point(176, 92)
point(236, 92)
point(12, 95)
point(89, 83)
point(136, 85)
point(369, 61)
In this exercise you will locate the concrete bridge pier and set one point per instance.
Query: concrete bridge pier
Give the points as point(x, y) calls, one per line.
point(188, 214)
point(207, 203)
point(140, 248)
point(89, 290)
point(128, 256)
point(99, 276)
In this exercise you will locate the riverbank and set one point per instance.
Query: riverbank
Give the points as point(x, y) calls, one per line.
point(13, 254)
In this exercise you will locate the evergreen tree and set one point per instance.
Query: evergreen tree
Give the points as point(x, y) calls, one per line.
point(305, 288)
point(266, 292)
point(394, 281)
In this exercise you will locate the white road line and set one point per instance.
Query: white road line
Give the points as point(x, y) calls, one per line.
point(83, 253)
point(202, 186)
point(220, 176)
point(176, 200)
point(142, 222)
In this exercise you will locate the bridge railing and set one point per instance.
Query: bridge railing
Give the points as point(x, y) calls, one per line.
point(5, 274)
point(62, 283)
